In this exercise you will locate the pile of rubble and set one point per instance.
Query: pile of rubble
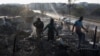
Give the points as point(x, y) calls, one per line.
point(31, 46)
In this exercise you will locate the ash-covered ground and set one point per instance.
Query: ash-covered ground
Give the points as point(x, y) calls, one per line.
point(15, 42)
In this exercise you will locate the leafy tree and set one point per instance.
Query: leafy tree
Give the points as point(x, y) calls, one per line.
point(79, 11)
point(14, 10)
point(96, 12)
point(26, 12)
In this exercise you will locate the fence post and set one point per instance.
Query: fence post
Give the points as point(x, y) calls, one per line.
point(94, 39)
point(14, 46)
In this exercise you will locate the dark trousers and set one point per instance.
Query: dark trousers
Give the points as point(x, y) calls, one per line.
point(50, 36)
point(81, 38)
point(39, 32)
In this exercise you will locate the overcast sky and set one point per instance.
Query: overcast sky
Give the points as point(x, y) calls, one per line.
point(44, 1)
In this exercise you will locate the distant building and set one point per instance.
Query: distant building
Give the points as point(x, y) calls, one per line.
point(83, 3)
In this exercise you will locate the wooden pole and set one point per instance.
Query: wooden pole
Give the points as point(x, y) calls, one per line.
point(14, 46)
point(94, 40)
point(69, 13)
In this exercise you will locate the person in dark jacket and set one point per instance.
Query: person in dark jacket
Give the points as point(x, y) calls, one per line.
point(51, 30)
point(39, 27)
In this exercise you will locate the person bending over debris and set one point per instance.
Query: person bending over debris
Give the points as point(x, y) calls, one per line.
point(39, 27)
point(81, 36)
point(51, 30)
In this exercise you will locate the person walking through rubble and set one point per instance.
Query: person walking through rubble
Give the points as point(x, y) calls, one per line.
point(39, 27)
point(51, 30)
point(79, 26)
